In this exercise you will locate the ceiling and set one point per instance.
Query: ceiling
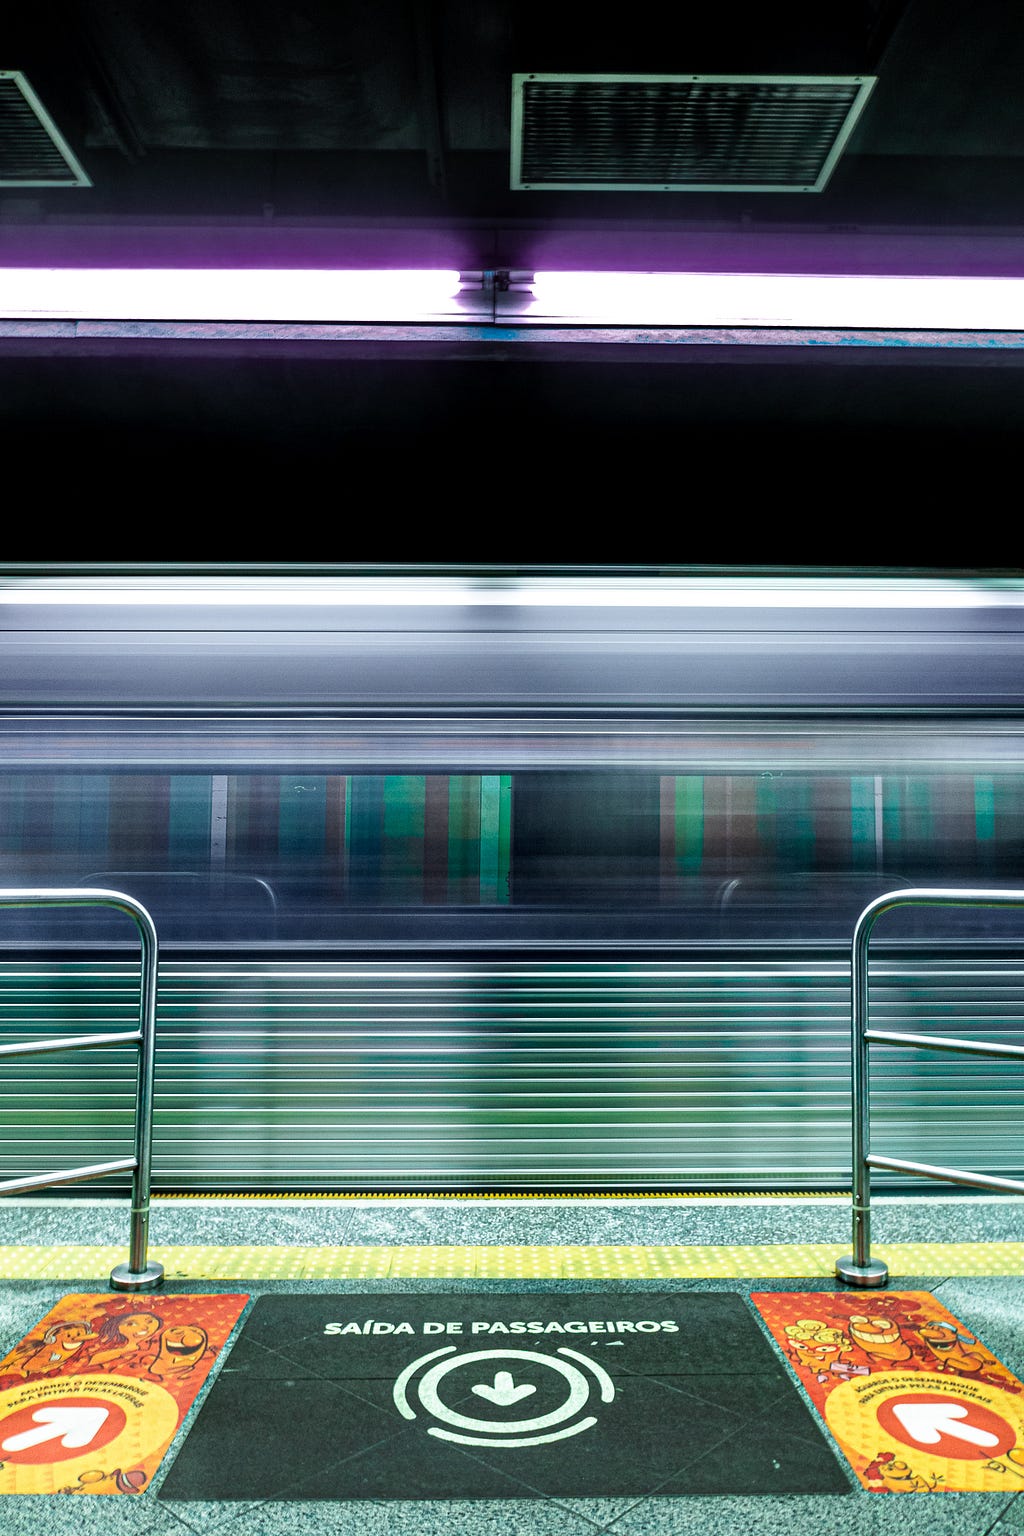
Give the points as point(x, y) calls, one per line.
point(255, 122)
point(401, 108)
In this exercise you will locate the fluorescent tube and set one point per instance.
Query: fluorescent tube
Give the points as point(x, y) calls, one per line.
point(227, 294)
point(774, 299)
point(520, 591)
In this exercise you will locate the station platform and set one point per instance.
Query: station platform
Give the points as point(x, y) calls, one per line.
point(640, 1366)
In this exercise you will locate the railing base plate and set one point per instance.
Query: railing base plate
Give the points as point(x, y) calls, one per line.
point(873, 1273)
point(123, 1278)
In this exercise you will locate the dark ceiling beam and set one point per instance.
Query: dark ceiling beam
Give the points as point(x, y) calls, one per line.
point(884, 16)
point(99, 82)
point(424, 17)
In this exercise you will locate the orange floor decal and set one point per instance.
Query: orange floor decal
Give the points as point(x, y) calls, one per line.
point(914, 1399)
point(92, 1397)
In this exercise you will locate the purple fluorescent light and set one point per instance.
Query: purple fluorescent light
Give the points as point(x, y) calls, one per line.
point(775, 299)
point(812, 300)
point(239, 294)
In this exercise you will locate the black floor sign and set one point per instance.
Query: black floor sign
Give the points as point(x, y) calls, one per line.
point(502, 1396)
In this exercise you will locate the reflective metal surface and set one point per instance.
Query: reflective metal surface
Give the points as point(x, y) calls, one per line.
point(140, 1273)
point(858, 1268)
point(524, 1073)
point(490, 879)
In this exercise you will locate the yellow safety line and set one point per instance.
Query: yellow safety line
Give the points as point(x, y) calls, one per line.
point(774, 1261)
point(518, 1194)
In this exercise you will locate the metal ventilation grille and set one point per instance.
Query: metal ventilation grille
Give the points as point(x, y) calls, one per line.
point(681, 133)
point(33, 153)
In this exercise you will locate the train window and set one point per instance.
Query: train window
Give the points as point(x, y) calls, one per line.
point(942, 827)
point(598, 855)
point(257, 856)
point(373, 840)
point(585, 839)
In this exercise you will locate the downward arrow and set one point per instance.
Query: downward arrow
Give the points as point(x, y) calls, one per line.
point(73, 1427)
point(504, 1390)
point(928, 1422)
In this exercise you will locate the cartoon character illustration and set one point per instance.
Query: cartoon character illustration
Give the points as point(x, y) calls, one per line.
point(95, 1480)
point(181, 1347)
point(879, 1337)
point(845, 1370)
point(60, 1343)
point(1012, 1461)
point(898, 1476)
point(125, 1337)
point(816, 1346)
point(960, 1353)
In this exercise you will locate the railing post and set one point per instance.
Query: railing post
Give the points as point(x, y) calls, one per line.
point(140, 1273)
point(858, 1267)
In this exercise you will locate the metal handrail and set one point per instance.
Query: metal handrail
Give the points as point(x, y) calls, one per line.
point(140, 1273)
point(859, 1268)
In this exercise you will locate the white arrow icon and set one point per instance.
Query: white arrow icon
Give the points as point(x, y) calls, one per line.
point(72, 1426)
point(928, 1422)
point(504, 1390)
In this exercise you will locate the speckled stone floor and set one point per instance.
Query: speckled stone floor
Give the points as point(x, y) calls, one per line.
point(992, 1305)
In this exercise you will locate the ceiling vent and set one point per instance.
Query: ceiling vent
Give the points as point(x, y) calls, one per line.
point(33, 152)
point(681, 133)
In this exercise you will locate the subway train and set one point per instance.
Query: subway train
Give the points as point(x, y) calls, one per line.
point(478, 881)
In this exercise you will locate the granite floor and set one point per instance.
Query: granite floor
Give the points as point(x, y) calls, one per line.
point(989, 1305)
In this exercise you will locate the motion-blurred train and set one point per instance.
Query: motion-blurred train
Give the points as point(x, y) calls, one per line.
point(510, 881)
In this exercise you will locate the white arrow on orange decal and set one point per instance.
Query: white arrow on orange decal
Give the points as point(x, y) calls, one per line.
point(928, 1422)
point(72, 1426)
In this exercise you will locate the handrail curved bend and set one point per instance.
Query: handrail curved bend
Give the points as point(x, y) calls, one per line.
point(140, 1273)
point(859, 1268)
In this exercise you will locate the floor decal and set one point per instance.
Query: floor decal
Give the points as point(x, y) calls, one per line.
point(395, 1396)
point(92, 1397)
point(915, 1400)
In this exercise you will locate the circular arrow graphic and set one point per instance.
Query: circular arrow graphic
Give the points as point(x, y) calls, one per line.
point(967, 1431)
point(510, 1376)
point(58, 1430)
point(53, 1433)
point(937, 1430)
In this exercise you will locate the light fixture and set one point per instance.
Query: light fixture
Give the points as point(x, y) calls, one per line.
point(766, 300)
point(297, 295)
point(561, 591)
point(817, 301)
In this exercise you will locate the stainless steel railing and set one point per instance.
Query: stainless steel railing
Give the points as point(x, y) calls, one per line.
point(859, 1268)
point(140, 1273)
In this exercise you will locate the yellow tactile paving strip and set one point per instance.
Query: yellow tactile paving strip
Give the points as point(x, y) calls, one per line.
point(424, 1262)
point(570, 1197)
